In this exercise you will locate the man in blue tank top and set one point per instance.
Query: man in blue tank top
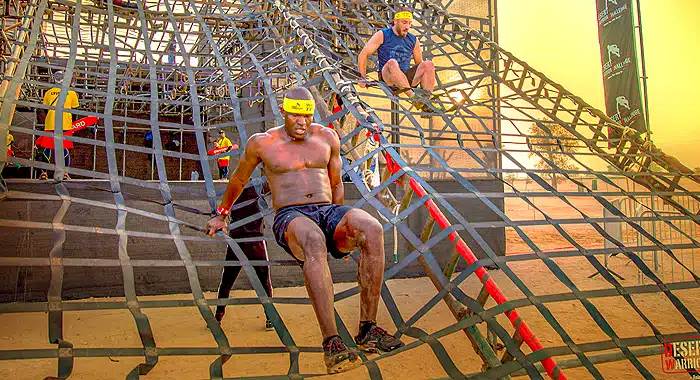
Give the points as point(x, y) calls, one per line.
point(395, 47)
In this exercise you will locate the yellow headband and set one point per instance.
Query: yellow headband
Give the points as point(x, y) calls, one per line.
point(403, 15)
point(298, 106)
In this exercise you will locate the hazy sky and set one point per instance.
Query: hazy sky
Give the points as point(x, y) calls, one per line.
point(560, 39)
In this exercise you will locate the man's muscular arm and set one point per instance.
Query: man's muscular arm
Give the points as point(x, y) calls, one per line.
point(369, 49)
point(249, 160)
point(417, 53)
point(335, 165)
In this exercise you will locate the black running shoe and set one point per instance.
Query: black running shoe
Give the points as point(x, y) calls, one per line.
point(268, 325)
point(377, 340)
point(338, 357)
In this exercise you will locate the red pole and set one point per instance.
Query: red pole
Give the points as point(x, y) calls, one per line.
point(528, 337)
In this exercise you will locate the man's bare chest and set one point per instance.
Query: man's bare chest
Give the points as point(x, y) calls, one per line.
point(286, 157)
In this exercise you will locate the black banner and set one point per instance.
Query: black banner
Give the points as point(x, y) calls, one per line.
point(619, 59)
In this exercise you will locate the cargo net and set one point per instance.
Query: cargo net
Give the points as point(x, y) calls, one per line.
point(573, 253)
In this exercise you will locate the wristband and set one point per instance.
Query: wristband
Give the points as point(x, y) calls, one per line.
point(223, 211)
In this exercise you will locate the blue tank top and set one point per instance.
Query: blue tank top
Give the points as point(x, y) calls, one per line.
point(400, 49)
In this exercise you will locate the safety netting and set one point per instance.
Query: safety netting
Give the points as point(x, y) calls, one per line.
point(569, 251)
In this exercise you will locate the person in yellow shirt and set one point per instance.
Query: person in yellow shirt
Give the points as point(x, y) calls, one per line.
point(45, 144)
point(223, 142)
point(50, 99)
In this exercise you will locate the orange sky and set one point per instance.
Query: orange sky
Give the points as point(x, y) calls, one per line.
point(560, 39)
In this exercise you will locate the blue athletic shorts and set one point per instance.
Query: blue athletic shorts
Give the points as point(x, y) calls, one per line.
point(326, 216)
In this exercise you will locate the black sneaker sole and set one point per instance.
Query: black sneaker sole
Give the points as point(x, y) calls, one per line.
point(372, 348)
point(369, 348)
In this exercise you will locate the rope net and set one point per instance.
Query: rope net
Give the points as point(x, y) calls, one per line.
point(562, 200)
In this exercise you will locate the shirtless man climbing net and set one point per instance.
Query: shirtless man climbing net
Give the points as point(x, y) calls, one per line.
point(303, 168)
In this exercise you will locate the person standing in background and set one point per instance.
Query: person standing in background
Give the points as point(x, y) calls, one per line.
point(45, 144)
point(223, 142)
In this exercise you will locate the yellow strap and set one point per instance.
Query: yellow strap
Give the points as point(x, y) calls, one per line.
point(403, 15)
point(298, 106)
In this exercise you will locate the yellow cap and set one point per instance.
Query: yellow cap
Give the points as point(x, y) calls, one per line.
point(403, 15)
point(298, 106)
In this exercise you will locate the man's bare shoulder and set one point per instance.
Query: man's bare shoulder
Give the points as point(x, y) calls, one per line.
point(257, 142)
point(322, 129)
point(274, 130)
point(328, 134)
point(378, 36)
point(262, 137)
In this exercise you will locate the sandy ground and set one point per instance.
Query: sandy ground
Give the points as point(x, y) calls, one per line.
point(547, 238)
point(184, 327)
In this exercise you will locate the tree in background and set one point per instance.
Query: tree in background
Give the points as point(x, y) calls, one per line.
point(551, 142)
point(510, 178)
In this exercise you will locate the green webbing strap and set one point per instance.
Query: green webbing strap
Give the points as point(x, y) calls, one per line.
point(142, 323)
point(200, 302)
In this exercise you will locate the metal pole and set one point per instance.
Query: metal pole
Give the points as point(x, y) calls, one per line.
point(32, 155)
point(495, 101)
point(182, 121)
point(124, 141)
point(644, 68)
point(95, 105)
point(181, 144)
point(646, 113)
point(10, 72)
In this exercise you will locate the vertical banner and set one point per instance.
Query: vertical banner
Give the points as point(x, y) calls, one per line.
point(618, 56)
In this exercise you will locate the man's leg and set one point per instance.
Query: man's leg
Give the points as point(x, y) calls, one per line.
point(66, 157)
point(425, 76)
point(45, 155)
point(358, 229)
point(393, 76)
point(258, 251)
point(66, 160)
point(228, 277)
point(253, 251)
point(308, 244)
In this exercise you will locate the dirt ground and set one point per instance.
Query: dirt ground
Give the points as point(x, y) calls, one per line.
point(184, 327)
point(546, 237)
point(243, 324)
